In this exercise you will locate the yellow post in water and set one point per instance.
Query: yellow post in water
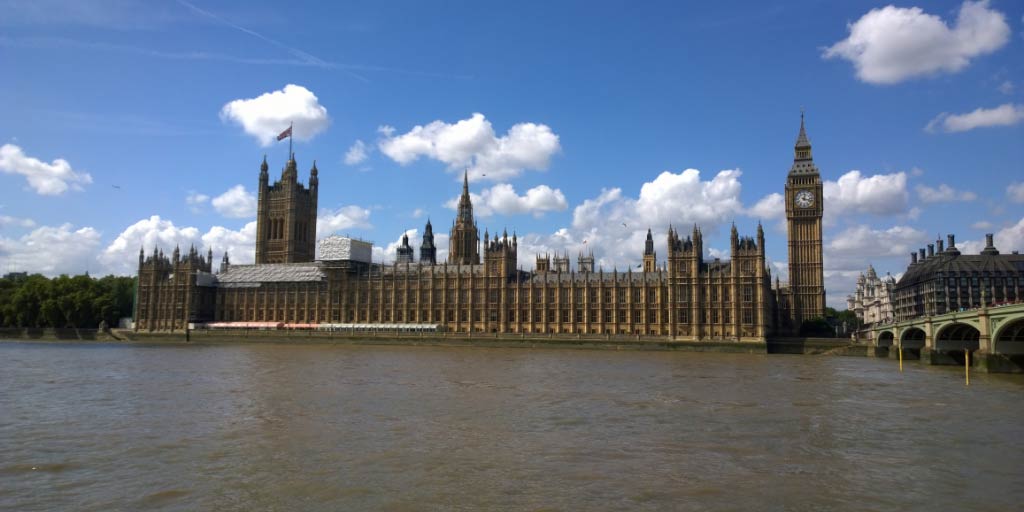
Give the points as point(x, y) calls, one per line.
point(967, 366)
point(900, 349)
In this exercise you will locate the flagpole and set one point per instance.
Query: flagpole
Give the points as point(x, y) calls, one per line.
point(290, 135)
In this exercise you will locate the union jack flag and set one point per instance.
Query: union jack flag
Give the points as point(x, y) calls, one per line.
point(286, 133)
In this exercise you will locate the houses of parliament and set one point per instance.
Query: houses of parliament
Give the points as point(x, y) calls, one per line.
point(480, 288)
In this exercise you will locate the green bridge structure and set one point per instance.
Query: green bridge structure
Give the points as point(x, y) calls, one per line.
point(991, 337)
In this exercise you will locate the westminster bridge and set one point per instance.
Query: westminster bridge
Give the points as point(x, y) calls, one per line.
point(991, 336)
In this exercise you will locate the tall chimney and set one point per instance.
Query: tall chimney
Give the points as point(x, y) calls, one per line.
point(931, 250)
point(988, 240)
point(920, 254)
point(950, 241)
point(913, 258)
point(938, 247)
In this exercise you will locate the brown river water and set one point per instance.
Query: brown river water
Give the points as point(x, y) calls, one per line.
point(317, 427)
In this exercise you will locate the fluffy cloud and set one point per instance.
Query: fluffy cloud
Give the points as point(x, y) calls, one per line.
point(346, 217)
point(240, 245)
point(48, 179)
point(943, 194)
point(502, 199)
point(769, 207)
point(1016, 192)
point(267, 115)
point(7, 220)
point(236, 203)
point(195, 201)
point(471, 143)
point(387, 254)
point(614, 226)
point(1006, 240)
point(121, 256)
point(892, 44)
point(357, 153)
point(1004, 115)
point(880, 194)
point(51, 250)
point(848, 253)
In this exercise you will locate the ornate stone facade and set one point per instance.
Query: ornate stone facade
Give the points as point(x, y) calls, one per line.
point(683, 297)
point(286, 216)
point(804, 208)
point(872, 300)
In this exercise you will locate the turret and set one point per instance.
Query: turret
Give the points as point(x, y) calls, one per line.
point(314, 180)
point(650, 259)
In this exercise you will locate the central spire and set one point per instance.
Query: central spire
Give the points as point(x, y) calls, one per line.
point(465, 204)
point(803, 160)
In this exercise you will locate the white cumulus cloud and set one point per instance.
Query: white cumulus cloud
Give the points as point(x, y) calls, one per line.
point(48, 179)
point(240, 245)
point(472, 144)
point(853, 192)
point(943, 194)
point(51, 250)
point(892, 44)
point(770, 206)
point(269, 114)
point(195, 201)
point(7, 220)
point(502, 199)
point(1007, 114)
point(235, 203)
point(357, 153)
point(345, 217)
point(122, 255)
point(1015, 192)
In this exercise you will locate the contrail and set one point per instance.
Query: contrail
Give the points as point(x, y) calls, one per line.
point(305, 57)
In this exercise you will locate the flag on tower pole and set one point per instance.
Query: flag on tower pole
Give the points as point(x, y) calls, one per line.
point(287, 133)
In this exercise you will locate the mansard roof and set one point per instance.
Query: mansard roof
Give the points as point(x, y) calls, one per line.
point(951, 263)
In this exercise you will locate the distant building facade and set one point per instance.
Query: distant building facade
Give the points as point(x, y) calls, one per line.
point(872, 300)
point(941, 279)
point(480, 287)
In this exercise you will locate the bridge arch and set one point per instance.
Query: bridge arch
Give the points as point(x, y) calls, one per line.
point(1009, 338)
point(885, 339)
point(957, 337)
point(912, 338)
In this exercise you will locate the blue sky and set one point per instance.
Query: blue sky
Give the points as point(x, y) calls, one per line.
point(129, 123)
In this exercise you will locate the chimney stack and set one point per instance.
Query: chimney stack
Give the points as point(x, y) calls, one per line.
point(913, 258)
point(950, 241)
point(938, 247)
point(931, 250)
point(988, 240)
point(920, 254)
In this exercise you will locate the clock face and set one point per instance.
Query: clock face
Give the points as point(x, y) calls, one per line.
point(804, 199)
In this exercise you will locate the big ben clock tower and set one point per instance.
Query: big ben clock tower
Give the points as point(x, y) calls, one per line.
point(803, 221)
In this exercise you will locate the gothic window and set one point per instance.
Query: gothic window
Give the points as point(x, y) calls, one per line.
point(748, 293)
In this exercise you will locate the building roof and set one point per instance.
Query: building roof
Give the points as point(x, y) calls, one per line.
point(950, 262)
point(241, 275)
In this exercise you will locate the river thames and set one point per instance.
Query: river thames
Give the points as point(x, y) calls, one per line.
point(318, 427)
